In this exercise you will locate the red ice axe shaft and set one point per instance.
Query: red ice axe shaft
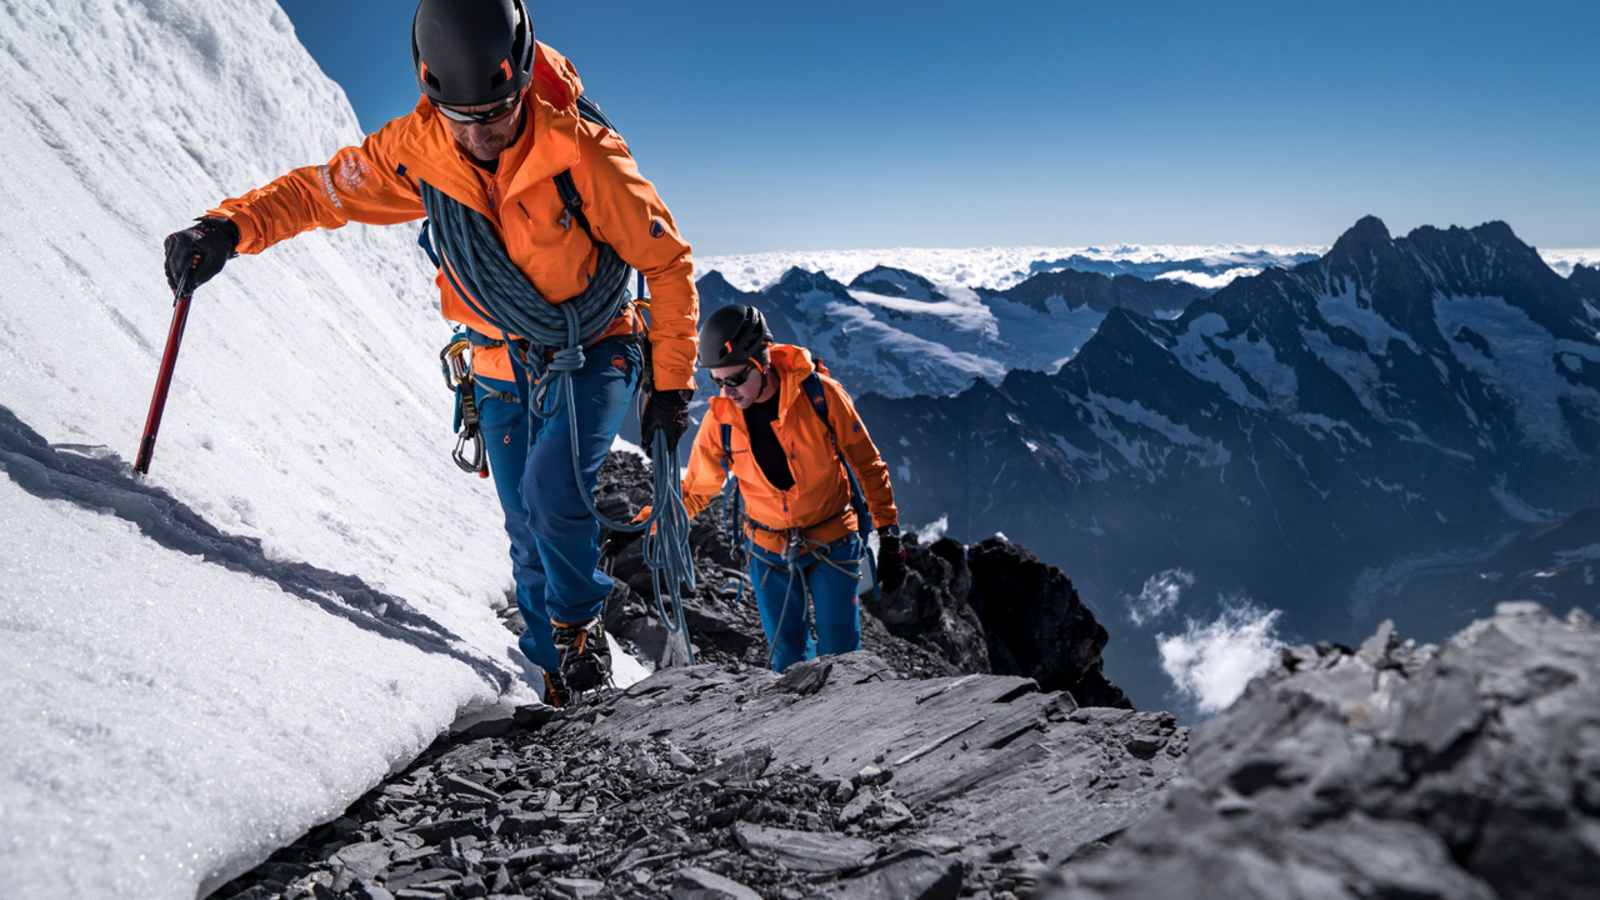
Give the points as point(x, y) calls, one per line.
point(169, 361)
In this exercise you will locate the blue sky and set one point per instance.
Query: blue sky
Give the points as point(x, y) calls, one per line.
point(875, 124)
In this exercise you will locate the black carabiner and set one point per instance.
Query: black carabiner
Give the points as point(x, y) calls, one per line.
point(476, 462)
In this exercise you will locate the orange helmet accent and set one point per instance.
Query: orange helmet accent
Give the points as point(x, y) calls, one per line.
point(505, 68)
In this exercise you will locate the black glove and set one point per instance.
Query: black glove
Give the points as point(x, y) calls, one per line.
point(891, 559)
point(205, 245)
point(668, 411)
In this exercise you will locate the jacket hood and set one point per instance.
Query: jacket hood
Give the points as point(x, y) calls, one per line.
point(793, 365)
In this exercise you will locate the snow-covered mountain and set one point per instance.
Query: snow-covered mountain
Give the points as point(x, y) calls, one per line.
point(898, 333)
point(187, 674)
point(1285, 435)
point(1002, 267)
point(1205, 265)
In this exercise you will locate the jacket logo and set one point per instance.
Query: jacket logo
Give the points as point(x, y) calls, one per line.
point(349, 172)
point(656, 228)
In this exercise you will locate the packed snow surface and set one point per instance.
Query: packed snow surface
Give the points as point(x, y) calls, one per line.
point(169, 721)
point(168, 718)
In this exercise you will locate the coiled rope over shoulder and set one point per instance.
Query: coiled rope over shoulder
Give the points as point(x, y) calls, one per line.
point(481, 272)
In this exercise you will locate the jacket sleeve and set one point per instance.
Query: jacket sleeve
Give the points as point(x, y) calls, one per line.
point(862, 453)
point(625, 212)
point(358, 184)
point(706, 476)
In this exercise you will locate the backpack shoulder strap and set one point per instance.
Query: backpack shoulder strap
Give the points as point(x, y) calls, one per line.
point(727, 447)
point(572, 200)
point(819, 401)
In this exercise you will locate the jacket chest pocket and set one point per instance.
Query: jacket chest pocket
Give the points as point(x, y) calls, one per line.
point(546, 243)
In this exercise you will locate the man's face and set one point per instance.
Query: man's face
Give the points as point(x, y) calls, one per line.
point(485, 140)
point(742, 383)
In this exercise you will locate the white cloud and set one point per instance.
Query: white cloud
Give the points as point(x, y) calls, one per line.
point(933, 531)
point(1207, 280)
point(992, 267)
point(1159, 596)
point(1210, 663)
point(1562, 260)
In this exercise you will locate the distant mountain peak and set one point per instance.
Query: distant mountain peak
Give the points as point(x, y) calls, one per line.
point(799, 281)
point(896, 283)
point(1367, 233)
point(714, 280)
point(1497, 231)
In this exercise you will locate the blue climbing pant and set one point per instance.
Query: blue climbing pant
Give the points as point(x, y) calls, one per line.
point(555, 541)
point(781, 599)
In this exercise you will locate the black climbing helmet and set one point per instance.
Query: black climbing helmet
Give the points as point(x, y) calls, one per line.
point(471, 52)
point(733, 335)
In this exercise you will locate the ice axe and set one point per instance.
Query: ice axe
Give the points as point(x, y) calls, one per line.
point(169, 361)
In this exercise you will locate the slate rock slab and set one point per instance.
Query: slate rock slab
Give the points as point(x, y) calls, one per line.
point(694, 883)
point(985, 759)
point(1470, 770)
point(915, 876)
point(805, 850)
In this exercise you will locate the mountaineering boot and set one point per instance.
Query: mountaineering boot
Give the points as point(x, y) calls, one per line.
point(556, 692)
point(585, 654)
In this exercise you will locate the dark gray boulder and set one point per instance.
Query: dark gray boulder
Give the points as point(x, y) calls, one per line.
point(1471, 770)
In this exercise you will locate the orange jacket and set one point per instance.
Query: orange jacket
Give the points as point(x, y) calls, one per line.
point(819, 502)
point(377, 183)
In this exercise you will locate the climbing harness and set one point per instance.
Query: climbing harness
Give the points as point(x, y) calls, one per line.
point(797, 549)
point(550, 348)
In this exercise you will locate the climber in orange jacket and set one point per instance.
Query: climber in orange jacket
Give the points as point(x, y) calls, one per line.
point(796, 491)
point(496, 127)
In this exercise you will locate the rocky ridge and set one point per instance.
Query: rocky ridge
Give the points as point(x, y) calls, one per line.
point(838, 779)
point(1392, 770)
point(1467, 770)
point(1464, 771)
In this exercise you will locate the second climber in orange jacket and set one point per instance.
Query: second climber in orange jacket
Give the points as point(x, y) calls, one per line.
point(496, 138)
point(803, 531)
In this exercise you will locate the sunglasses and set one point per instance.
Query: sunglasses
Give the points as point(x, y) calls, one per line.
point(482, 116)
point(736, 379)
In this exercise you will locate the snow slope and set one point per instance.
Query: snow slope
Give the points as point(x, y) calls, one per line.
point(169, 721)
point(1004, 336)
